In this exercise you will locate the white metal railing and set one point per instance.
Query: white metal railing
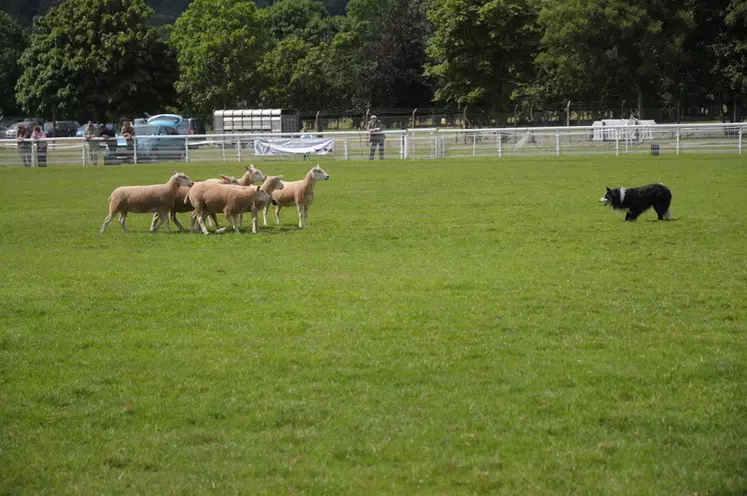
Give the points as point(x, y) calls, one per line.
point(406, 144)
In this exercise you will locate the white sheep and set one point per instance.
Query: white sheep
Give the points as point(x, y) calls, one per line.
point(157, 198)
point(227, 199)
point(251, 176)
point(272, 183)
point(181, 207)
point(298, 193)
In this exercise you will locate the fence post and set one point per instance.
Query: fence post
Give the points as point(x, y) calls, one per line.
point(238, 149)
point(134, 150)
point(86, 152)
point(617, 144)
point(345, 146)
point(557, 142)
point(186, 150)
point(500, 144)
point(739, 141)
point(474, 142)
point(34, 150)
point(677, 145)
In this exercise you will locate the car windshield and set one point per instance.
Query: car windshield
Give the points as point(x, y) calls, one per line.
point(162, 117)
point(146, 130)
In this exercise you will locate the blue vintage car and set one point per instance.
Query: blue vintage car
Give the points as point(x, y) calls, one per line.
point(157, 141)
point(185, 125)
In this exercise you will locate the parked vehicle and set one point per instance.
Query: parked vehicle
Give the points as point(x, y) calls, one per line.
point(166, 145)
point(13, 128)
point(185, 125)
point(61, 129)
point(81, 131)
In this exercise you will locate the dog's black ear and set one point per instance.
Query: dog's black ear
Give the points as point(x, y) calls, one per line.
point(608, 190)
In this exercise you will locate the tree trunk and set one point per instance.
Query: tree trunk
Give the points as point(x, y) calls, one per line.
point(640, 103)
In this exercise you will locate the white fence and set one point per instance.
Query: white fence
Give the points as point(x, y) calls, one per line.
point(399, 145)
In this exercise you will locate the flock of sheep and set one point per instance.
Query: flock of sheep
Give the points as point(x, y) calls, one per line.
point(227, 195)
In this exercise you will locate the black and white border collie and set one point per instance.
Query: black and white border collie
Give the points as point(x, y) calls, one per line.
point(638, 200)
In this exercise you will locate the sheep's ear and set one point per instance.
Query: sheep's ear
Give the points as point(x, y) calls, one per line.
point(246, 167)
point(280, 176)
point(173, 171)
point(223, 176)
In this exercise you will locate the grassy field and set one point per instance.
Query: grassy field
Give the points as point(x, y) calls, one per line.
point(441, 327)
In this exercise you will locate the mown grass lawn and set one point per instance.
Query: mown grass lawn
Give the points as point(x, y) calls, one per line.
point(441, 327)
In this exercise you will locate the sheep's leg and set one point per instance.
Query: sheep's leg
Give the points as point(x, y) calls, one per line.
point(201, 220)
point(235, 224)
point(214, 220)
point(300, 215)
point(229, 222)
point(306, 214)
point(264, 212)
point(155, 223)
point(176, 222)
point(255, 220)
point(107, 221)
point(165, 219)
point(193, 222)
point(277, 214)
point(123, 220)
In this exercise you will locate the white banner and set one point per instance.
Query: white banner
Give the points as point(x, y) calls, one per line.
point(289, 146)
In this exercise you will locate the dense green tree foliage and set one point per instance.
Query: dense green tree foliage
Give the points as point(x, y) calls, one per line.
point(381, 52)
point(220, 45)
point(494, 54)
point(95, 59)
point(482, 50)
point(297, 76)
point(13, 41)
point(611, 49)
point(305, 19)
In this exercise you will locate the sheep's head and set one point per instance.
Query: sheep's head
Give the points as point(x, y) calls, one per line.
point(262, 195)
point(181, 179)
point(254, 174)
point(319, 173)
point(228, 179)
point(272, 183)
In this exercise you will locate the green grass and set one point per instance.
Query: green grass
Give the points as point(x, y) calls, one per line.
point(441, 327)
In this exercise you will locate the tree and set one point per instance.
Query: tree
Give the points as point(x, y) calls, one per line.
point(220, 45)
point(382, 44)
point(92, 59)
point(301, 76)
point(612, 49)
point(306, 19)
point(13, 40)
point(482, 51)
point(726, 49)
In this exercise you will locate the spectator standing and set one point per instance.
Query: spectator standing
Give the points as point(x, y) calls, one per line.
point(129, 132)
point(376, 137)
point(24, 146)
point(39, 138)
point(92, 144)
point(109, 136)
